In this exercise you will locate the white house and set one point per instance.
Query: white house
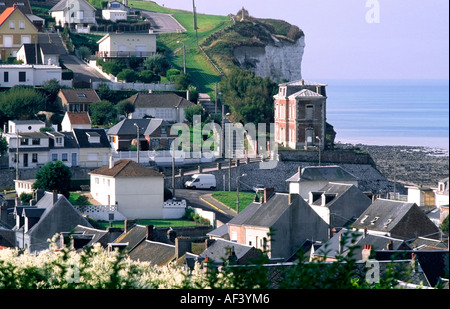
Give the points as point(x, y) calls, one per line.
point(75, 120)
point(28, 74)
point(124, 45)
point(73, 13)
point(136, 190)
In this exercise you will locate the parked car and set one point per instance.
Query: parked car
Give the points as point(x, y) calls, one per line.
point(201, 181)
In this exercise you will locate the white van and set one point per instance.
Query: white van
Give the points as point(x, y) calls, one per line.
point(201, 181)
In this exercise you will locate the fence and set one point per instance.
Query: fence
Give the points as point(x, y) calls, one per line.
point(164, 157)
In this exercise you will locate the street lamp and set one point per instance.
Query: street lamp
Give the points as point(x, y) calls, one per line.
point(184, 56)
point(320, 145)
point(138, 142)
point(237, 191)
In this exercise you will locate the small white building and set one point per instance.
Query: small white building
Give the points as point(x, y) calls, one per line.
point(28, 74)
point(124, 45)
point(75, 120)
point(114, 15)
point(136, 190)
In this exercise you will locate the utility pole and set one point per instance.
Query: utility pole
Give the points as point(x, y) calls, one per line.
point(17, 155)
point(173, 170)
point(237, 191)
point(138, 141)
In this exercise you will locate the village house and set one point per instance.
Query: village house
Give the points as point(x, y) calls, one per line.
point(80, 147)
point(314, 178)
point(167, 106)
point(42, 53)
point(16, 29)
point(25, 7)
point(28, 74)
point(339, 204)
point(125, 45)
point(300, 114)
point(276, 225)
point(77, 100)
point(442, 193)
point(76, 14)
point(76, 120)
point(396, 219)
point(51, 214)
point(154, 134)
point(136, 190)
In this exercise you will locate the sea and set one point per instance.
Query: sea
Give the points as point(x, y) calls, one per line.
point(390, 112)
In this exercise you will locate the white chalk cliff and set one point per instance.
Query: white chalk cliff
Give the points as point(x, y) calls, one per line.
point(280, 60)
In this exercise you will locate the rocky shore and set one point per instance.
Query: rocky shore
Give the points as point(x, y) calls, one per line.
point(410, 165)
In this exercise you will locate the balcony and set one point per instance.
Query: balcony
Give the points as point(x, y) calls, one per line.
point(123, 54)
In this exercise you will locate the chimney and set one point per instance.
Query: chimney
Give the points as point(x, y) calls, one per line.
point(55, 196)
point(268, 192)
point(366, 252)
point(128, 225)
point(182, 245)
point(340, 244)
point(149, 232)
point(17, 201)
point(111, 162)
point(209, 242)
point(364, 232)
point(413, 262)
point(390, 245)
point(303, 82)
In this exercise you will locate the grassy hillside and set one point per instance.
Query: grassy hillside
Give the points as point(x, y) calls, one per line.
point(203, 73)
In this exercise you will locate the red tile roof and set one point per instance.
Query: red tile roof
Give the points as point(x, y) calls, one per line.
point(6, 13)
point(79, 117)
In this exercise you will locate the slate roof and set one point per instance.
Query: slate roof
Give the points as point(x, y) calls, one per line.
point(81, 136)
point(25, 8)
point(62, 5)
point(306, 93)
point(137, 234)
point(356, 239)
point(126, 168)
point(127, 127)
point(151, 100)
point(103, 237)
point(156, 253)
point(219, 250)
point(336, 189)
point(322, 173)
point(269, 212)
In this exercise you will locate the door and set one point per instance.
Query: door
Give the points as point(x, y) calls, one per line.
point(25, 160)
point(74, 159)
point(140, 51)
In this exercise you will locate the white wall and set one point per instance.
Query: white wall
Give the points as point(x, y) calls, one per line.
point(35, 75)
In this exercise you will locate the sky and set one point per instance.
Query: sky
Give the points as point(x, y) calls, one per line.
point(356, 39)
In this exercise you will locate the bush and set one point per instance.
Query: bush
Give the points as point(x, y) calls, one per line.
point(128, 75)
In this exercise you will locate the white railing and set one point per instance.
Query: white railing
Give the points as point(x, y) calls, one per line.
point(164, 157)
point(101, 212)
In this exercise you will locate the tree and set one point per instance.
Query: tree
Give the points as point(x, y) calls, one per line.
point(54, 176)
point(3, 145)
point(105, 93)
point(192, 110)
point(128, 75)
point(158, 64)
point(51, 89)
point(249, 97)
point(125, 108)
point(21, 102)
point(103, 112)
point(182, 81)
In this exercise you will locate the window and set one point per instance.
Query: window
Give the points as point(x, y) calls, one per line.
point(6, 77)
point(34, 158)
point(12, 25)
point(64, 157)
point(58, 140)
point(35, 141)
point(54, 156)
point(21, 25)
point(309, 112)
point(24, 141)
point(22, 77)
point(97, 181)
point(374, 220)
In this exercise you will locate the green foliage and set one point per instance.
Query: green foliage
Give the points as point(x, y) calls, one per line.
point(158, 64)
point(21, 102)
point(103, 113)
point(104, 92)
point(125, 108)
point(181, 81)
point(25, 198)
point(54, 176)
point(128, 75)
point(147, 76)
point(444, 225)
point(249, 97)
point(51, 89)
point(3, 145)
point(113, 67)
point(229, 198)
point(192, 110)
point(83, 52)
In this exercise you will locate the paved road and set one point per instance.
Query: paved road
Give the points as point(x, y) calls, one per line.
point(163, 23)
point(199, 199)
point(82, 73)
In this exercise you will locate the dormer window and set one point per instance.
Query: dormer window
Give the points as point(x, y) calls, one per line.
point(364, 218)
point(374, 220)
point(81, 95)
point(93, 137)
point(387, 222)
